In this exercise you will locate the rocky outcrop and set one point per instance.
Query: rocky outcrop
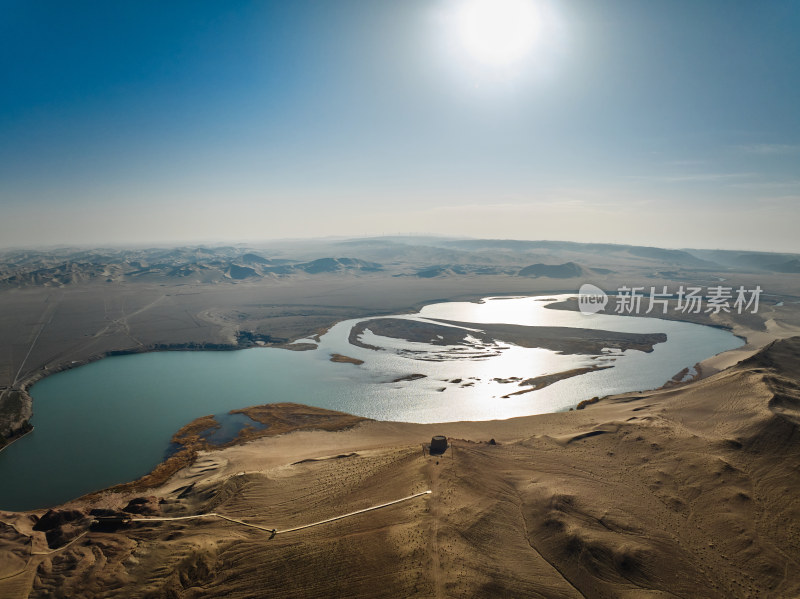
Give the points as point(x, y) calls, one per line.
point(15, 413)
point(62, 526)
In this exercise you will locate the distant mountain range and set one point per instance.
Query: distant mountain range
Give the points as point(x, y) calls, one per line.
point(423, 257)
point(206, 265)
point(567, 270)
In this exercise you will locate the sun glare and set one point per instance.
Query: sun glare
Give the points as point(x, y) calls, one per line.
point(497, 32)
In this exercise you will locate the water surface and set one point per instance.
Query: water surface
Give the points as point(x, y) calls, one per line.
point(111, 421)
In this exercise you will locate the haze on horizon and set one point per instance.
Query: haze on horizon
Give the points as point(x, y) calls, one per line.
point(672, 124)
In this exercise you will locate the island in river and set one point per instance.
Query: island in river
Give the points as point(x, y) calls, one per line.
point(565, 340)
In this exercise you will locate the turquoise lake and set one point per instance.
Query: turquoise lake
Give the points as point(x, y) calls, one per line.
point(111, 421)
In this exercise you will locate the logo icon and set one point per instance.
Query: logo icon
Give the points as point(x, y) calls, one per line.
point(591, 299)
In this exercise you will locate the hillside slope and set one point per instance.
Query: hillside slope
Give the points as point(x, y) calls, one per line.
point(689, 491)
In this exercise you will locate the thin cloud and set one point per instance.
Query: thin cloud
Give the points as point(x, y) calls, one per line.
point(693, 177)
point(684, 163)
point(765, 185)
point(769, 149)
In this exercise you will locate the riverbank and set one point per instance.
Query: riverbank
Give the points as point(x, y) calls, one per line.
point(189, 442)
point(772, 322)
point(16, 409)
point(159, 393)
point(47, 330)
point(566, 340)
point(16, 405)
point(689, 491)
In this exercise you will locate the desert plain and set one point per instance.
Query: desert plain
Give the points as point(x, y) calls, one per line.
point(690, 490)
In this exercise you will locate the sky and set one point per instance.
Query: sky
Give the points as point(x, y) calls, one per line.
point(666, 123)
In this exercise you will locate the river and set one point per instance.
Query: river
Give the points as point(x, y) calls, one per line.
point(111, 421)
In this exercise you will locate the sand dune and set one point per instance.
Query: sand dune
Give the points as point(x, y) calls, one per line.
point(689, 491)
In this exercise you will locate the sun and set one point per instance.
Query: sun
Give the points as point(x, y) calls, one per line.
point(497, 32)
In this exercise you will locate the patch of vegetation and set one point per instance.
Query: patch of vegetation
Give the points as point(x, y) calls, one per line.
point(346, 359)
point(251, 338)
point(279, 418)
point(587, 402)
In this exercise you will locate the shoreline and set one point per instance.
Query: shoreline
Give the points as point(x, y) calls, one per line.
point(753, 340)
point(673, 488)
point(15, 438)
point(24, 387)
point(586, 490)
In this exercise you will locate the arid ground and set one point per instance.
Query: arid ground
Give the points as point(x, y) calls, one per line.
point(686, 491)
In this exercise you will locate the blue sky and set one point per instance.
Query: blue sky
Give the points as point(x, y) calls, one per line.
point(668, 123)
